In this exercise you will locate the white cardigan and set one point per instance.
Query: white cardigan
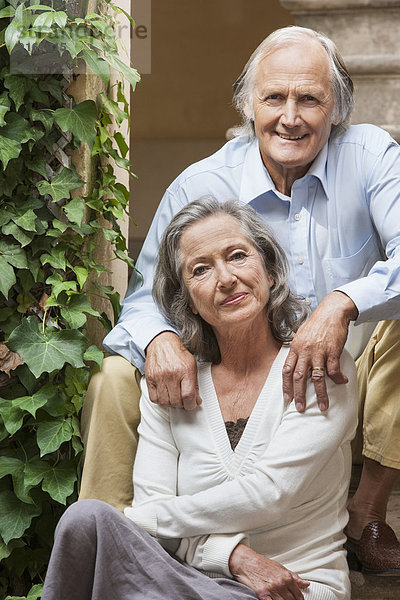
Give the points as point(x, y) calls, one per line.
point(282, 491)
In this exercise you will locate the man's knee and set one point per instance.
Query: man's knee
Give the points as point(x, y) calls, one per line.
point(113, 390)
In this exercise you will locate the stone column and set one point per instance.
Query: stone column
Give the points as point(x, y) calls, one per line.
point(367, 33)
point(88, 86)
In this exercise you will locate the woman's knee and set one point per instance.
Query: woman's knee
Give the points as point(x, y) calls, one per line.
point(81, 518)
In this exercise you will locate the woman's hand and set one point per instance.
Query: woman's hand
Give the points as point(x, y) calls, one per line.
point(267, 578)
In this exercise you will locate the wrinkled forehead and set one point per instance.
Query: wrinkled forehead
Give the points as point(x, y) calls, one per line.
point(295, 60)
point(218, 230)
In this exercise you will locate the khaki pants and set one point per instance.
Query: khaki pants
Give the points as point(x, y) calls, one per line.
point(111, 415)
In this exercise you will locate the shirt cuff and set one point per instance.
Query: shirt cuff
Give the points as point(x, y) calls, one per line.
point(372, 302)
point(217, 551)
point(145, 516)
point(131, 343)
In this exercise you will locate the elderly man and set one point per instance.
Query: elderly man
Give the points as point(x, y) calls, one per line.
point(331, 195)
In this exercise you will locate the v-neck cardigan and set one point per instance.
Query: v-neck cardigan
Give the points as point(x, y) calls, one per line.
point(282, 491)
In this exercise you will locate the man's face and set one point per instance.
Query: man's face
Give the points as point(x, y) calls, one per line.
point(293, 107)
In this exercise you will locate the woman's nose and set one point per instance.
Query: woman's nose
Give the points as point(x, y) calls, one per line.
point(225, 276)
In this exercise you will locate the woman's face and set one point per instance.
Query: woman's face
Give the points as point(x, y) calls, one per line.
point(224, 274)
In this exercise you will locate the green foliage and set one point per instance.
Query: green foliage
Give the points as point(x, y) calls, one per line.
point(48, 268)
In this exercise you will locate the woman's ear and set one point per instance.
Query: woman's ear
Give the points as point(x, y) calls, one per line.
point(193, 309)
point(271, 280)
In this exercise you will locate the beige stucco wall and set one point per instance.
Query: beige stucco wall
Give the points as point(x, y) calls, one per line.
point(182, 110)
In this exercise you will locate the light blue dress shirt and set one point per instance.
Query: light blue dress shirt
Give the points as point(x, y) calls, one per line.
point(340, 229)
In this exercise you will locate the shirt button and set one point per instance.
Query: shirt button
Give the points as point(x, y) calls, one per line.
point(308, 301)
point(300, 260)
point(297, 217)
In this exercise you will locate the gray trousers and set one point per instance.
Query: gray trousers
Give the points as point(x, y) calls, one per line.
point(99, 554)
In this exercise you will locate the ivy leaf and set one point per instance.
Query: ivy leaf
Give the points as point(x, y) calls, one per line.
point(59, 285)
point(75, 210)
point(10, 255)
point(15, 516)
point(60, 185)
point(56, 258)
point(13, 254)
point(95, 354)
point(112, 107)
point(60, 18)
point(6, 549)
point(7, 279)
point(12, 417)
point(9, 149)
point(59, 481)
point(17, 233)
point(34, 472)
point(74, 311)
point(44, 116)
point(25, 219)
point(122, 145)
point(97, 65)
point(4, 107)
point(17, 128)
point(34, 594)
point(31, 404)
point(81, 274)
point(8, 11)
point(37, 164)
point(10, 466)
point(80, 120)
point(128, 72)
point(48, 351)
point(52, 433)
point(12, 34)
point(16, 131)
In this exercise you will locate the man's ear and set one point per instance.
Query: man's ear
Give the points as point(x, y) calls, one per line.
point(248, 111)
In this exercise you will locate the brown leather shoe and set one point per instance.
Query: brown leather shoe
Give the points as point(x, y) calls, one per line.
point(377, 552)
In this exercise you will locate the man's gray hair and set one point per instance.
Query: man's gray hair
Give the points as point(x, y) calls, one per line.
point(342, 84)
point(285, 311)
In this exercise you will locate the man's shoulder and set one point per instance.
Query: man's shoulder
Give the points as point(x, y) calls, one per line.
point(363, 137)
point(229, 157)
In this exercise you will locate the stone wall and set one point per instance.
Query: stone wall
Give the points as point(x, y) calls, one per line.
point(367, 33)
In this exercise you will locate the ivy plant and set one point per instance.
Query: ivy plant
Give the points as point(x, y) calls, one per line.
point(48, 269)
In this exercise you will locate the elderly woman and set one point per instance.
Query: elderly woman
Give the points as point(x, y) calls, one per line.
point(246, 495)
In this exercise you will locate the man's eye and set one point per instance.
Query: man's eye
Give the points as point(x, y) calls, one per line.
point(199, 271)
point(273, 98)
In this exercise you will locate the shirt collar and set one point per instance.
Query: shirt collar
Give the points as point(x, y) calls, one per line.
point(257, 181)
point(318, 167)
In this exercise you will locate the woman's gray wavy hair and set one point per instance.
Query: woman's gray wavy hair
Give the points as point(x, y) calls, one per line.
point(285, 311)
point(342, 83)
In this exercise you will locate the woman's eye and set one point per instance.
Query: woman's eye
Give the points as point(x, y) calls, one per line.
point(310, 99)
point(199, 271)
point(238, 256)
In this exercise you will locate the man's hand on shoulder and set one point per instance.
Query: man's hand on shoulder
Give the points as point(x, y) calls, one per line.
point(316, 349)
point(171, 373)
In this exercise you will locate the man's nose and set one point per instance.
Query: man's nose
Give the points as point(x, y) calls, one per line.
point(290, 114)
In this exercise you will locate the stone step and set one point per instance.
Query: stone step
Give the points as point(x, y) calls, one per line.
point(373, 587)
